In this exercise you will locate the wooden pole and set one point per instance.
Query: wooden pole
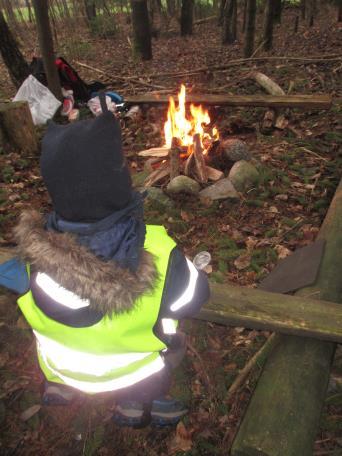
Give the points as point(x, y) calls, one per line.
point(258, 309)
point(281, 101)
point(284, 412)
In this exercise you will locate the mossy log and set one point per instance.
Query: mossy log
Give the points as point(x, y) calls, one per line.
point(283, 415)
point(258, 309)
point(17, 128)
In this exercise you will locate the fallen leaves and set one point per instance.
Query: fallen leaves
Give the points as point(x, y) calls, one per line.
point(243, 261)
point(182, 440)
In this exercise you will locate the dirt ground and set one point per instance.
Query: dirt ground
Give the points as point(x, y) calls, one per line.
point(299, 169)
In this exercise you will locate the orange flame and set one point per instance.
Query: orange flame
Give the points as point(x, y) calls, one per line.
point(180, 126)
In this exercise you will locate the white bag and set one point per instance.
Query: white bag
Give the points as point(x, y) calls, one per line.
point(43, 104)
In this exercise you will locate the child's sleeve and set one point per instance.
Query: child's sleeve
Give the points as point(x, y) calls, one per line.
point(186, 289)
point(14, 276)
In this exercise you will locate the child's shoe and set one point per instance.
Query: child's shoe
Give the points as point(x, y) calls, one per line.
point(56, 394)
point(164, 412)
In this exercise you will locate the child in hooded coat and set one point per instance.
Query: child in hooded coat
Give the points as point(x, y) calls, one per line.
point(102, 291)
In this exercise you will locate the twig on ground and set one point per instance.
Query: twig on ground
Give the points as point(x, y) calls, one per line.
point(243, 374)
point(205, 375)
point(257, 49)
point(315, 154)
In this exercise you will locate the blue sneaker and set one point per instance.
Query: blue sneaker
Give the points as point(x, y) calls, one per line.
point(56, 394)
point(162, 412)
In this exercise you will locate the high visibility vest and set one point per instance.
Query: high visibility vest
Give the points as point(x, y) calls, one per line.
point(114, 353)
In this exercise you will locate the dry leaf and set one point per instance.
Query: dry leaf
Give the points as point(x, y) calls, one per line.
point(273, 209)
point(4, 357)
point(281, 197)
point(185, 216)
point(208, 269)
point(182, 440)
point(28, 413)
point(242, 262)
point(282, 251)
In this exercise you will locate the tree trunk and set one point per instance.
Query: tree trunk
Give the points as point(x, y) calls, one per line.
point(268, 25)
point(244, 16)
point(277, 11)
point(13, 58)
point(311, 11)
point(229, 28)
point(284, 412)
point(187, 13)
point(90, 9)
point(17, 128)
point(141, 29)
point(250, 28)
point(46, 46)
point(221, 12)
point(303, 8)
point(171, 7)
point(339, 12)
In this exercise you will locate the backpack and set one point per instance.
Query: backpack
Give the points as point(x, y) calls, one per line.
point(68, 77)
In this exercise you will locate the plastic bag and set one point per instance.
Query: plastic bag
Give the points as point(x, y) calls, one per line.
point(95, 106)
point(43, 104)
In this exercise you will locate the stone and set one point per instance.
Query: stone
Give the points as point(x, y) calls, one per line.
point(223, 189)
point(243, 175)
point(183, 184)
point(235, 150)
point(158, 197)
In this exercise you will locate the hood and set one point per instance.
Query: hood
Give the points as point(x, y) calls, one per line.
point(109, 288)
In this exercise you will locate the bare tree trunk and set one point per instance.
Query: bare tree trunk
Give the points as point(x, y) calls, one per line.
point(46, 46)
point(244, 16)
point(171, 7)
point(339, 11)
point(141, 29)
point(268, 25)
point(90, 9)
point(229, 28)
point(187, 14)
point(311, 11)
point(221, 13)
point(303, 8)
point(13, 58)
point(277, 11)
point(29, 10)
point(250, 28)
point(66, 9)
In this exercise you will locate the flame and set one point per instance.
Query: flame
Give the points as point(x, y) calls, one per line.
point(180, 126)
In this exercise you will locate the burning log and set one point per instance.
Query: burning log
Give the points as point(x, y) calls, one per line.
point(174, 155)
point(200, 166)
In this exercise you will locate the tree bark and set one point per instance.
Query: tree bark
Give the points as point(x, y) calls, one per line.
point(46, 46)
point(339, 11)
point(284, 412)
point(268, 25)
point(277, 11)
point(17, 128)
point(229, 27)
point(90, 9)
point(244, 16)
point(187, 13)
point(13, 58)
point(141, 29)
point(250, 28)
point(221, 12)
point(303, 8)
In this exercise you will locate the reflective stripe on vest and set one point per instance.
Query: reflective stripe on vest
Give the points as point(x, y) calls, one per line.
point(58, 359)
point(188, 294)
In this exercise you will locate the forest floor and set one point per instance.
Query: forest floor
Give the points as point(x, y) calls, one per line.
point(299, 166)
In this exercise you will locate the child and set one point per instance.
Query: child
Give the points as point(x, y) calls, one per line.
point(105, 291)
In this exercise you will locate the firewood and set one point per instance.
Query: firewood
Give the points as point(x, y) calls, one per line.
point(200, 166)
point(214, 174)
point(174, 155)
point(155, 152)
point(157, 175)
point(189, 165)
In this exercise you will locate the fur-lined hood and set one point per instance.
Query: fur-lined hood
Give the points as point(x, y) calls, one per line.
point(109, 288)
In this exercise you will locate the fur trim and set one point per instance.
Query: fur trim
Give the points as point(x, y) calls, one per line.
point(109, 288)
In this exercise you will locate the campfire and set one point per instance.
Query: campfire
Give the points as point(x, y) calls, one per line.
point(189, 138)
